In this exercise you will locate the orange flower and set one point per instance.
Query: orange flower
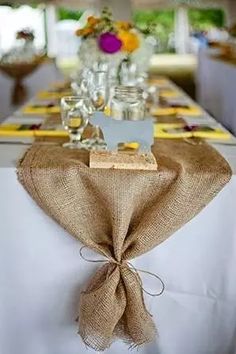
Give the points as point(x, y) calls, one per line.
point(123, 25)
point(93, 21)
point(84, 31)
point(130, 41)
point(87, 31)
point(89, 28)
point(79, 32)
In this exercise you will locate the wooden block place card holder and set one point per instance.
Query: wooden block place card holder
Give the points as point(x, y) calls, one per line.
point(126, 160)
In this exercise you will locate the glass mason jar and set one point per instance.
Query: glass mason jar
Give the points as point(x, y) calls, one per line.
point(128, 103)
point(128, 73)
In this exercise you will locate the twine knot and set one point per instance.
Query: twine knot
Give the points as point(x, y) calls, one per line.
point(126, 264)
point(122, 263)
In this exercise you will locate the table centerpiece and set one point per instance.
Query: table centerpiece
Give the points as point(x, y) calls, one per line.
point(106, 42)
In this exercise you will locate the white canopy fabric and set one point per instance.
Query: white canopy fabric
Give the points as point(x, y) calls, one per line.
point(135, 3)
point(122, 9)
point(175, 3)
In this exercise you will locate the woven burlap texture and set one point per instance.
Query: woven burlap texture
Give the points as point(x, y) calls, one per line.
point(121, 214)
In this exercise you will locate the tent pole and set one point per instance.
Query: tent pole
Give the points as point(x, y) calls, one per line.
point(51, 21)
point(230, 11)
point(45, 29)
point(181, 29)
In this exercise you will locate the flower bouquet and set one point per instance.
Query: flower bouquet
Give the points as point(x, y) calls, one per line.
point(105, 40)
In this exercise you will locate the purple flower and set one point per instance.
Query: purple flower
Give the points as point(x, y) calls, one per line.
point(109, 43)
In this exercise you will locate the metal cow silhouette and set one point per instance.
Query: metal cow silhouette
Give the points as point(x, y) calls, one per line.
point(125, 131)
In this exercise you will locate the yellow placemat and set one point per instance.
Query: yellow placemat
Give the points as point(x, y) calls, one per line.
point(169, 93)
point(11, 130)
point(159, 81)
point(53, 95)
point(165, 111)
point(191, 111)
point(173, 131)
point(60, 85)
point(40, 110)
point(51, 133)
point(25, 130)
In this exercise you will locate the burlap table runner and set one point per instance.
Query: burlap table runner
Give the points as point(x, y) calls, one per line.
point(121, 214)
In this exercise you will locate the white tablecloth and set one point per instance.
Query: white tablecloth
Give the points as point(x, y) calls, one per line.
point(42, 274)
point(216, 86)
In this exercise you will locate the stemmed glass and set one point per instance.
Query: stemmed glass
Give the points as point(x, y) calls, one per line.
point(81, 82)
point(75, 113)
point(98, 93)
point(99, 90)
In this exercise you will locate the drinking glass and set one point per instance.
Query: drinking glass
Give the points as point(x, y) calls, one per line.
point(75, 113)
point(99, 94)
point(99, 90)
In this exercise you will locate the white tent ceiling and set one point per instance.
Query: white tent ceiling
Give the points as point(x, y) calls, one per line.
point(135, 3)
point(175, 3)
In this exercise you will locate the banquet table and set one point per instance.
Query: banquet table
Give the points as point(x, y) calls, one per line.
point(42, 274)
point(216, 86)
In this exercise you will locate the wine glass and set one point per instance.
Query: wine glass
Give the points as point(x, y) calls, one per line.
point(99, 94)
point(75, 112)
point(99, 90)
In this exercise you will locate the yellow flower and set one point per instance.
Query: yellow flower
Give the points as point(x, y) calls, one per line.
point(130, 41)
point(123, 25)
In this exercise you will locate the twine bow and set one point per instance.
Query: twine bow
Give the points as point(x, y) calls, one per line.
point(127, 265)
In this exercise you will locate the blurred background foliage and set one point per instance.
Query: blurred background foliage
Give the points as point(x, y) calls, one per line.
point(68, 14)
point(202, 20)
point(158, 23)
